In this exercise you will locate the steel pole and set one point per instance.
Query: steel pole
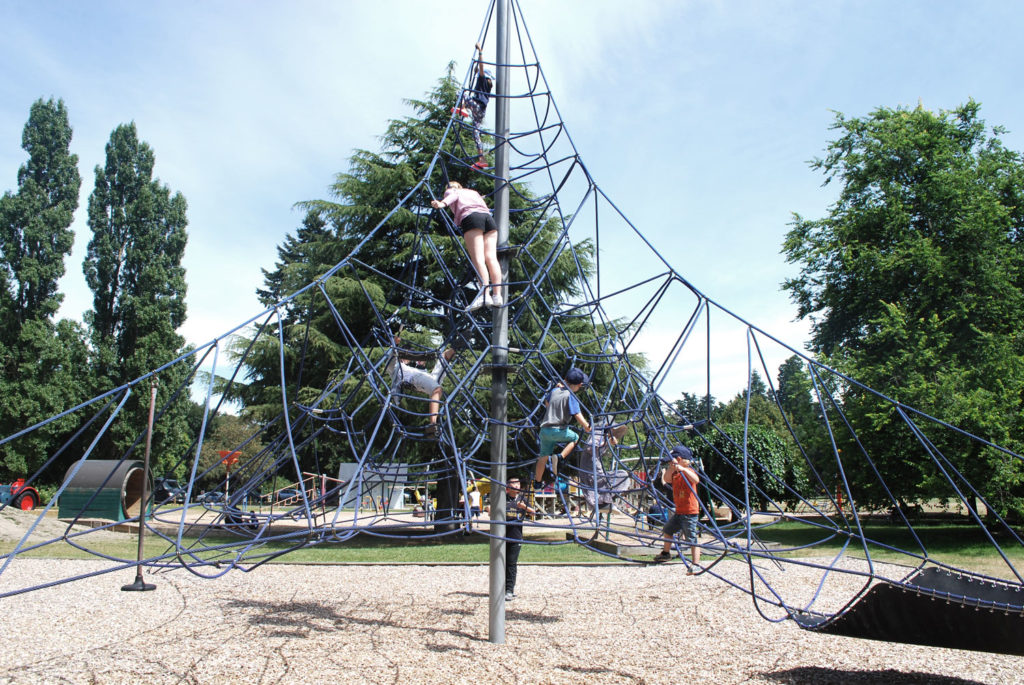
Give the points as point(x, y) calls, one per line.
point(499, 338)
point(141, 585)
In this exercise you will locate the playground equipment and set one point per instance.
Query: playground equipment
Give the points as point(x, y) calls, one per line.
point(560, 313)
point(19, 495)
point(104, 489)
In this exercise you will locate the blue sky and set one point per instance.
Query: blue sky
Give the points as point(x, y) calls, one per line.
point(697, 118)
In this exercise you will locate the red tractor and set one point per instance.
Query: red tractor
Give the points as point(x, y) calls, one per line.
point(21, 496)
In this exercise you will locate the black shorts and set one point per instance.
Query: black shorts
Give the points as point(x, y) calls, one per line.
point(481, 220)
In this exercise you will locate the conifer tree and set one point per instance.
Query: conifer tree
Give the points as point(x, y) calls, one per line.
point(41, 362)
point(35, 223)
point(133, 267)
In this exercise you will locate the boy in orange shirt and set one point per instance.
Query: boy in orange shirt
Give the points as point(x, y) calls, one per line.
point(679, 472)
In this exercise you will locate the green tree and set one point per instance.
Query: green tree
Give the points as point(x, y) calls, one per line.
point(35, 224)
point(694, 408)
point(913, 284)
point(794, 391)
point(133, 267)
point(796, 398)
point(227, 432)
point(773, 474)
point(41, 362)
point(763, 411)
point(770, 443)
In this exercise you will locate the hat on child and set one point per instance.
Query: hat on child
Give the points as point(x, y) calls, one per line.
point(681, 451)
point(575, 377)
point(488, 75)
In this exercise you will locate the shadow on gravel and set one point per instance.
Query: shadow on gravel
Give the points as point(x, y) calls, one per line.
point(621, 676)
point(457, 612)
point(290, 619)
point(816, 675)
point(295, 619)
point(531, 617)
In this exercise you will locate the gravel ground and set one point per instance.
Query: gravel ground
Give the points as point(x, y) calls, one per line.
point(429, 624)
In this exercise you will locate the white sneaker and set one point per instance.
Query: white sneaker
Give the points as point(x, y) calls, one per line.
point(479, 301)
point(496, 301)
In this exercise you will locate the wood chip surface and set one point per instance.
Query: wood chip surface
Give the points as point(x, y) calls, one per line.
point(429, 624)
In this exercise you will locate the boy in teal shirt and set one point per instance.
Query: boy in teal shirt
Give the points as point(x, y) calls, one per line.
point(561, 407)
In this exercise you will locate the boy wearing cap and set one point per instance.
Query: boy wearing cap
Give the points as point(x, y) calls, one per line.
point(561, 406)
point(516, 507)
point(679, 472)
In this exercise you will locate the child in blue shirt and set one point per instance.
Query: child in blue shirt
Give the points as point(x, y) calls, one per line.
point(561, 407)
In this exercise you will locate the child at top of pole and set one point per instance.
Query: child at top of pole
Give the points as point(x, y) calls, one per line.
point(560, 408)
point(474, 104)
point(480, 235)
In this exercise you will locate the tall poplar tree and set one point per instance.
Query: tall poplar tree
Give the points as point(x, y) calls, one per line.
point(41, 362)
point(35, 224)
point(133, 267)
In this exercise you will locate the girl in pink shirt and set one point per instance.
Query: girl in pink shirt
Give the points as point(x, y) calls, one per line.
point(480, 234)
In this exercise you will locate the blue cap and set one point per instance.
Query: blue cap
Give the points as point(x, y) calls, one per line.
point(575, 377)
point(681, 451)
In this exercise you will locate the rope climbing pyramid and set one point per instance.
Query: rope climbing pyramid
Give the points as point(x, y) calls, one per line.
point(382, 367)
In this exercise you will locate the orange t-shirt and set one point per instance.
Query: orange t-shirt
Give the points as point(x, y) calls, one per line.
point(684, 491)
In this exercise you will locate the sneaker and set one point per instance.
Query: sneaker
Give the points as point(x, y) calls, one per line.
point(479, 301)
point(488, 300)
point(538, 485)
point(662, 557)
point(430, 430)
point(509, 596)
point(496, 301)
point(480, 166)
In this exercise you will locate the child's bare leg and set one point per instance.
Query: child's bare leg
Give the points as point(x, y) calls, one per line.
point(435, 404)
point(567, 450)
point(538, 471)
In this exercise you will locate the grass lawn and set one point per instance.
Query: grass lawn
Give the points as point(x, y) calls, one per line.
point(364, 549)
point(962, 545)
point(959, 545)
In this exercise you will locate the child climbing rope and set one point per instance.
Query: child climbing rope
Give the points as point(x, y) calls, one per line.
point(480, 235)
point(680, 473)
point(404, 374)
point(561, 407)
point(474, 104)
point(602, 437)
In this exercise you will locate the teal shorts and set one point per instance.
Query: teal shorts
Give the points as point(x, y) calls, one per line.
point(552, 435)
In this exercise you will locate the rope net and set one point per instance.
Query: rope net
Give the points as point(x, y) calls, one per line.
point(627, 317)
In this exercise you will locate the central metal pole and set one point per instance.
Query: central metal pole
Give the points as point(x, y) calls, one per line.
point(499, 339)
